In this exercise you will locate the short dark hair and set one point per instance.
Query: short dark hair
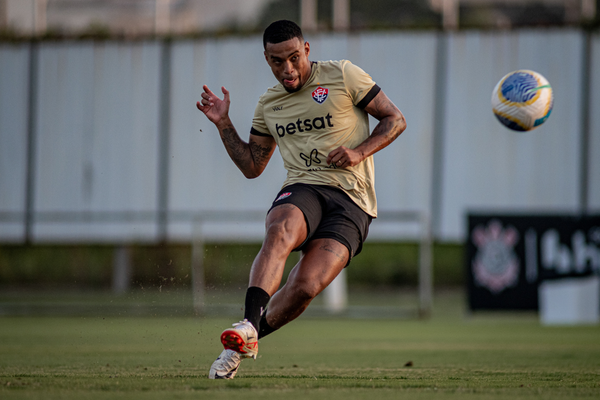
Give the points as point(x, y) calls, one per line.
point(281, 31)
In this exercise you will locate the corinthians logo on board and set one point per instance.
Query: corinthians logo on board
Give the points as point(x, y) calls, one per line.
point(495, 265)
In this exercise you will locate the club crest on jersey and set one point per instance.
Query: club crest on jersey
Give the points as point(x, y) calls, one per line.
point(284, 195)
point(320, 94)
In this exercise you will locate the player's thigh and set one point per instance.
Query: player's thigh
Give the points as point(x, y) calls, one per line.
point(287, 221)
point(322, 261)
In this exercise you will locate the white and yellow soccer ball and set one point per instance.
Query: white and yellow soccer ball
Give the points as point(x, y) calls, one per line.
point(522, 100)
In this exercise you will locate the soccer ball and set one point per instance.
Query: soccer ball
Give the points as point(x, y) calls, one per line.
point(522, 100)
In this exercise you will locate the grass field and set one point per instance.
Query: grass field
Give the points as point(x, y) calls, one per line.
point(103, 355)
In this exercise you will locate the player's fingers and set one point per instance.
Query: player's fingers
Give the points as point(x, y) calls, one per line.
point(203, 107)
point(207, 90)
point(225, 94)
point(337, 161)
point(333, 156)
point(208, 100)
point(208, 97)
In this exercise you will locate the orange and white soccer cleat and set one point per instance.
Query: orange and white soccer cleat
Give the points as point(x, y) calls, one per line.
point(242, 338)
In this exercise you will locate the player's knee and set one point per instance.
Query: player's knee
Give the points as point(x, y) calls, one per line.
point(305, 290)
point(280, 233)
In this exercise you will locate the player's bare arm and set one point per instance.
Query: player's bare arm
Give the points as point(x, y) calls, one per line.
point(391, 125)
point(250, 157)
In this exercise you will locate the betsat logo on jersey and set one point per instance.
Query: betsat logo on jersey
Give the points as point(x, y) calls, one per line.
point(319, 95)
point(302, 125)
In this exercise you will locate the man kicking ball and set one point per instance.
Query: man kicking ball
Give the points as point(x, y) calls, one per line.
point(318, 116)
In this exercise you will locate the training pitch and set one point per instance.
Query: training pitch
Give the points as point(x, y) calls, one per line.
point(453, 355)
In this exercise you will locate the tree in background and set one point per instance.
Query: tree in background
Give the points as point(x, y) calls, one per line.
point(374, 14)
point(418, 14)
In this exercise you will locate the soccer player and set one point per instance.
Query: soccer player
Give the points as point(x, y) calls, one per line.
point(318, 116)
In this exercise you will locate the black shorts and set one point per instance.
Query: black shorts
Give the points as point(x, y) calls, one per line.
point(329, 213)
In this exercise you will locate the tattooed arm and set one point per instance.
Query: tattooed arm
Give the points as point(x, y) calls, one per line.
point(252, 157)
point(391, 125)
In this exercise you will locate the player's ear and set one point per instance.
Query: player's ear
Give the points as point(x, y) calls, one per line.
point(307, 48)
point(266, 57)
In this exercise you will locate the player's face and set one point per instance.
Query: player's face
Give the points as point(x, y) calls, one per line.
point(289, 62)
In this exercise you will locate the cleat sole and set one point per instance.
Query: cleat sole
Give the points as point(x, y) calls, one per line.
point(233, 341)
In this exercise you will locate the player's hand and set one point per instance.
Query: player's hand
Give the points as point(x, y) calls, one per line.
point(215, 109)
point(343, 157)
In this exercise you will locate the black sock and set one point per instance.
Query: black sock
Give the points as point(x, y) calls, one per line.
point(265, 328)
point(256, 302)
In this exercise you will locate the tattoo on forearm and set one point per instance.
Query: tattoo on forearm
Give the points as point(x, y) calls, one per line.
point(260, 154)
point(245, 155)
point(388, 129)
point(233, 143)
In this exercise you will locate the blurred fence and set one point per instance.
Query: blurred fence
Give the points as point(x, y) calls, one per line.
point(101, 141)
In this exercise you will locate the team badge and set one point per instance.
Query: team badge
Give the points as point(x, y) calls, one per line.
point(320, 94)
point(496, 265)
point(284, 195)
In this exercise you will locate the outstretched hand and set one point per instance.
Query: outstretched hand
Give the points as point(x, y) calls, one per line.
point(215, 109)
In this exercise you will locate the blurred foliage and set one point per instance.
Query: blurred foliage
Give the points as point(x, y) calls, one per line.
point(364, 15)
point(49, 265)
point(512, 16)
point(225, 265)
point(417, 14)
point(392, 14)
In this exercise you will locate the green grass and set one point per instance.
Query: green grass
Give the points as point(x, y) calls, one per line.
point(453, 356)
point(169, 265)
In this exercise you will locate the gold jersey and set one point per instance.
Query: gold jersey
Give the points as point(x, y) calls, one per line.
point(327, 112)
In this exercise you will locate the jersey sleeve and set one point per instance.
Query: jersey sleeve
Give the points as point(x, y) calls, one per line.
point(359, 84)
point(259, 127)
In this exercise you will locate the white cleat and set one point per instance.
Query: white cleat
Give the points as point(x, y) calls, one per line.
point(225, 366)
point(242, 338)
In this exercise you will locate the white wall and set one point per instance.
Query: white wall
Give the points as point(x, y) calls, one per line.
point(489, 167)
point(594, 111)
point(98, 130)
point(14, 89)
point(97, 135)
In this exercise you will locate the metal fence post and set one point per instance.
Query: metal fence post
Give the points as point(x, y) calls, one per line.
point(425, 268)
point(32, 116)
point(164, 141)
point(121, 278)
point(198, 267)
